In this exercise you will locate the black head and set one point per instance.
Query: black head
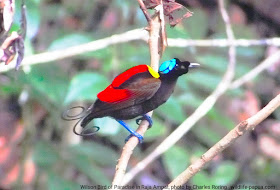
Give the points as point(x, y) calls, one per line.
point(175, 67)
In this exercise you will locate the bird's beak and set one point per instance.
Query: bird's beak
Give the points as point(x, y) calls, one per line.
point(194, 65)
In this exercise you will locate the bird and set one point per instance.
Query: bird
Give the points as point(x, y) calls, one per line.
point(135, 92)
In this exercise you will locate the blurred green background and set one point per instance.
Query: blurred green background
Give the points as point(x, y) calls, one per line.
point(38, 149)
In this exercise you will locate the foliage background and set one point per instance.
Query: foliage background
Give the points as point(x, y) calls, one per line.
point(38, 149)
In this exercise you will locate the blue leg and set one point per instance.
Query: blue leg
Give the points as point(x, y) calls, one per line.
point(147, 118)
point(133, 133)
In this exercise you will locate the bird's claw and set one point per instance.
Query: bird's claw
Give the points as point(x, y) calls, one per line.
point(140, 137)
point(132, 132)
point(147, 118)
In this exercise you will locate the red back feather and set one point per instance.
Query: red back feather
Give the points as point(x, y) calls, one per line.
point(111, 94)
point(129, 73)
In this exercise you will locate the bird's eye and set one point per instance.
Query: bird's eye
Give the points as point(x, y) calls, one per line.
point(176, 65)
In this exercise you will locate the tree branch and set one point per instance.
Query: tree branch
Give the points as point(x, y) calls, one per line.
point(154, 32)
point(80, 49)
point(226, 141)
point(132, 35)
point(136, 34)
point(144, 10)
point(201, 111)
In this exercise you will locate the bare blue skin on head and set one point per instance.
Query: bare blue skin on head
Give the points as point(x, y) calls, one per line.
point(167, 66)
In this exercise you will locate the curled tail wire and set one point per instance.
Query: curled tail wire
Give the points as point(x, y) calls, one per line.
point(86, 131)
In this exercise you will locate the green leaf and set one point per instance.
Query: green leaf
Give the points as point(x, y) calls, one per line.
point(245, 31)
point(105, 54)
point(124, 7)
point(100, 154)
point(69, 40)
point(189, 99)
point(243, 67)
point(85, 86)
point(206, 135)
point(108, 126)
point(172, 52)
point(276, 114)
point(202, 179)
point(226, 174)
point(197, 25)
point(158, 130)
point(177, 32)
point(205, 80)
point(10, 87)
point(45, 154)
point(217, 63)
point(249, 53)
point(28, 48)
point(216, 60)
point(172, 110)
point(36, 1)
point(197, 151)
point(56, 182)
point(130, 55)
point(220, 118)
point(239, 30)
point(47, 80)
point(86, 166)
point(176, 160)
point(183, 84)
point(33, 17)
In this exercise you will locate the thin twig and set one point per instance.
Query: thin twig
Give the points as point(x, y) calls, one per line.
point(201, 111)
point(154, 31)
point(144, 10)
point(132, 35)
point(80, 49)
point(231, 137)
point(163, 36)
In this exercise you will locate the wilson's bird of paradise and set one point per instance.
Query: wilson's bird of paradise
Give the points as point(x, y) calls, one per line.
point(133, 93)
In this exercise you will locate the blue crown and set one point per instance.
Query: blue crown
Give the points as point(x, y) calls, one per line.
point(167, 66)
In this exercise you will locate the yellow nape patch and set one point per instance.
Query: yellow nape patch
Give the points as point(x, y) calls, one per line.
point(153, 72)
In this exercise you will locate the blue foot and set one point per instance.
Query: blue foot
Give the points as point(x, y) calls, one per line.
point(147, 118)
point(133, 133)
point(140, 137)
